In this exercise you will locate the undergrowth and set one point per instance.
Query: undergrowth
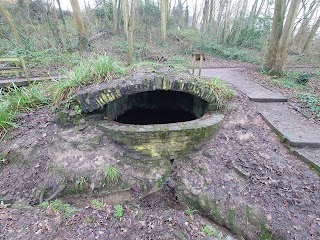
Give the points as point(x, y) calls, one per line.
point(60, 207)
point(16, 100)
point(312, 101)
point(91, 71)
point(299, 82)
point(112, 174)
point(229, 52)
point(221, 91)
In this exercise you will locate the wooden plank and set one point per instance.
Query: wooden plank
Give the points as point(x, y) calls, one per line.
point(20, 70)
point(9, 68)
point(9, 59)
point(23, 82)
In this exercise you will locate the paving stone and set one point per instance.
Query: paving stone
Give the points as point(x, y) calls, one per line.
point(254, 91)
point(296, 130)
point(309, 155)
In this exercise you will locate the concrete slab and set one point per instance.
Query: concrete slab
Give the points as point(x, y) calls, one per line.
point(296, 130)
point(254, 91)
point(309, 155)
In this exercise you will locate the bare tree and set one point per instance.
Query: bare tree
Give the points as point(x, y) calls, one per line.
point(280, 35)
point(10, 22)
point(130, 16)
point(164, 19)
point(125, 15)
point(115, 16)
point(311, 35)
point(308, 13)
point(79, 21)
point(194, 16)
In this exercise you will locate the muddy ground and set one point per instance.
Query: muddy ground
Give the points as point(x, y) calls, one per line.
point(243, 164)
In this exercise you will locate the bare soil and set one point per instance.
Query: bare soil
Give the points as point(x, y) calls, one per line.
point(244, 162)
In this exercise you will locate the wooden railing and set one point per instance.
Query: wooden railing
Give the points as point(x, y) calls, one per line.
point(20, 66)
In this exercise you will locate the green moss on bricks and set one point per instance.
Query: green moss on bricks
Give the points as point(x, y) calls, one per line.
point(265, 235)
point(232, 220)
point(63, 117)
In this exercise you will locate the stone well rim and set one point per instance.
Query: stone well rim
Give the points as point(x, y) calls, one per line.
point(203, 122)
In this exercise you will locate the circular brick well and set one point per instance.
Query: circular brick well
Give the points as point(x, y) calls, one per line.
point(156, 114)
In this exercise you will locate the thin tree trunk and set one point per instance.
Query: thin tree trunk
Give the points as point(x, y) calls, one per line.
point(312, 34)
point(9, 19)
point(164, 19)
point(205, 16)
point(79, 21)
point(211, 15)
point(115, 16)
point(285, 36)
point(125, 14)
point(307, 16)
point(131, 20)
point(194, 16)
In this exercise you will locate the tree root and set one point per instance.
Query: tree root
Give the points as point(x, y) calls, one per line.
point(53, 195)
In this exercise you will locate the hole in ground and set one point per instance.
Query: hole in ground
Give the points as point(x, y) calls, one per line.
point(145, 116)
point(156, 107)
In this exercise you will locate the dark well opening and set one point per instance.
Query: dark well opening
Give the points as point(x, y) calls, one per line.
point(147, 116)
point(156, 107)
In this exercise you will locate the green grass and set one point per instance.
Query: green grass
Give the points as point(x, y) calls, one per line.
point(16, 100)
point(222, 93)
point(299, 83)
point(312, 101)
point(230, 52)
point(80, 183)
point(46, 58)
point(118, 211)
point(58, 206)
point(96, 204)
point(294, 80)
point(210, 231)
point(111, 174)
point(91, 71)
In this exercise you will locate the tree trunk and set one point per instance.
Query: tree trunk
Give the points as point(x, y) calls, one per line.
point(130, 29)
point(238, 24)
point(205, 16)
point(277, 25)
point(211, 15)
point(307, 17)
point(194, 16)
point(9, 19)
point(79, 21)
point(125, 14)
point(164, 19)
point(285, 37)
point(312, 34)
point(115, 16)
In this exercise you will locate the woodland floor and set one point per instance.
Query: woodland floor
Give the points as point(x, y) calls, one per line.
point(156, 216)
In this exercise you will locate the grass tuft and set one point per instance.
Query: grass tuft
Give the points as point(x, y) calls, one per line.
point(92, 71)
point(112, 174)
point(16, 100)
point(222, 93)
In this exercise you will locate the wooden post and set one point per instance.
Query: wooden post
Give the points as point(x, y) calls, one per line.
point(197, 57)
point(25, 70)
point(201, 61)
point(194, 63)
